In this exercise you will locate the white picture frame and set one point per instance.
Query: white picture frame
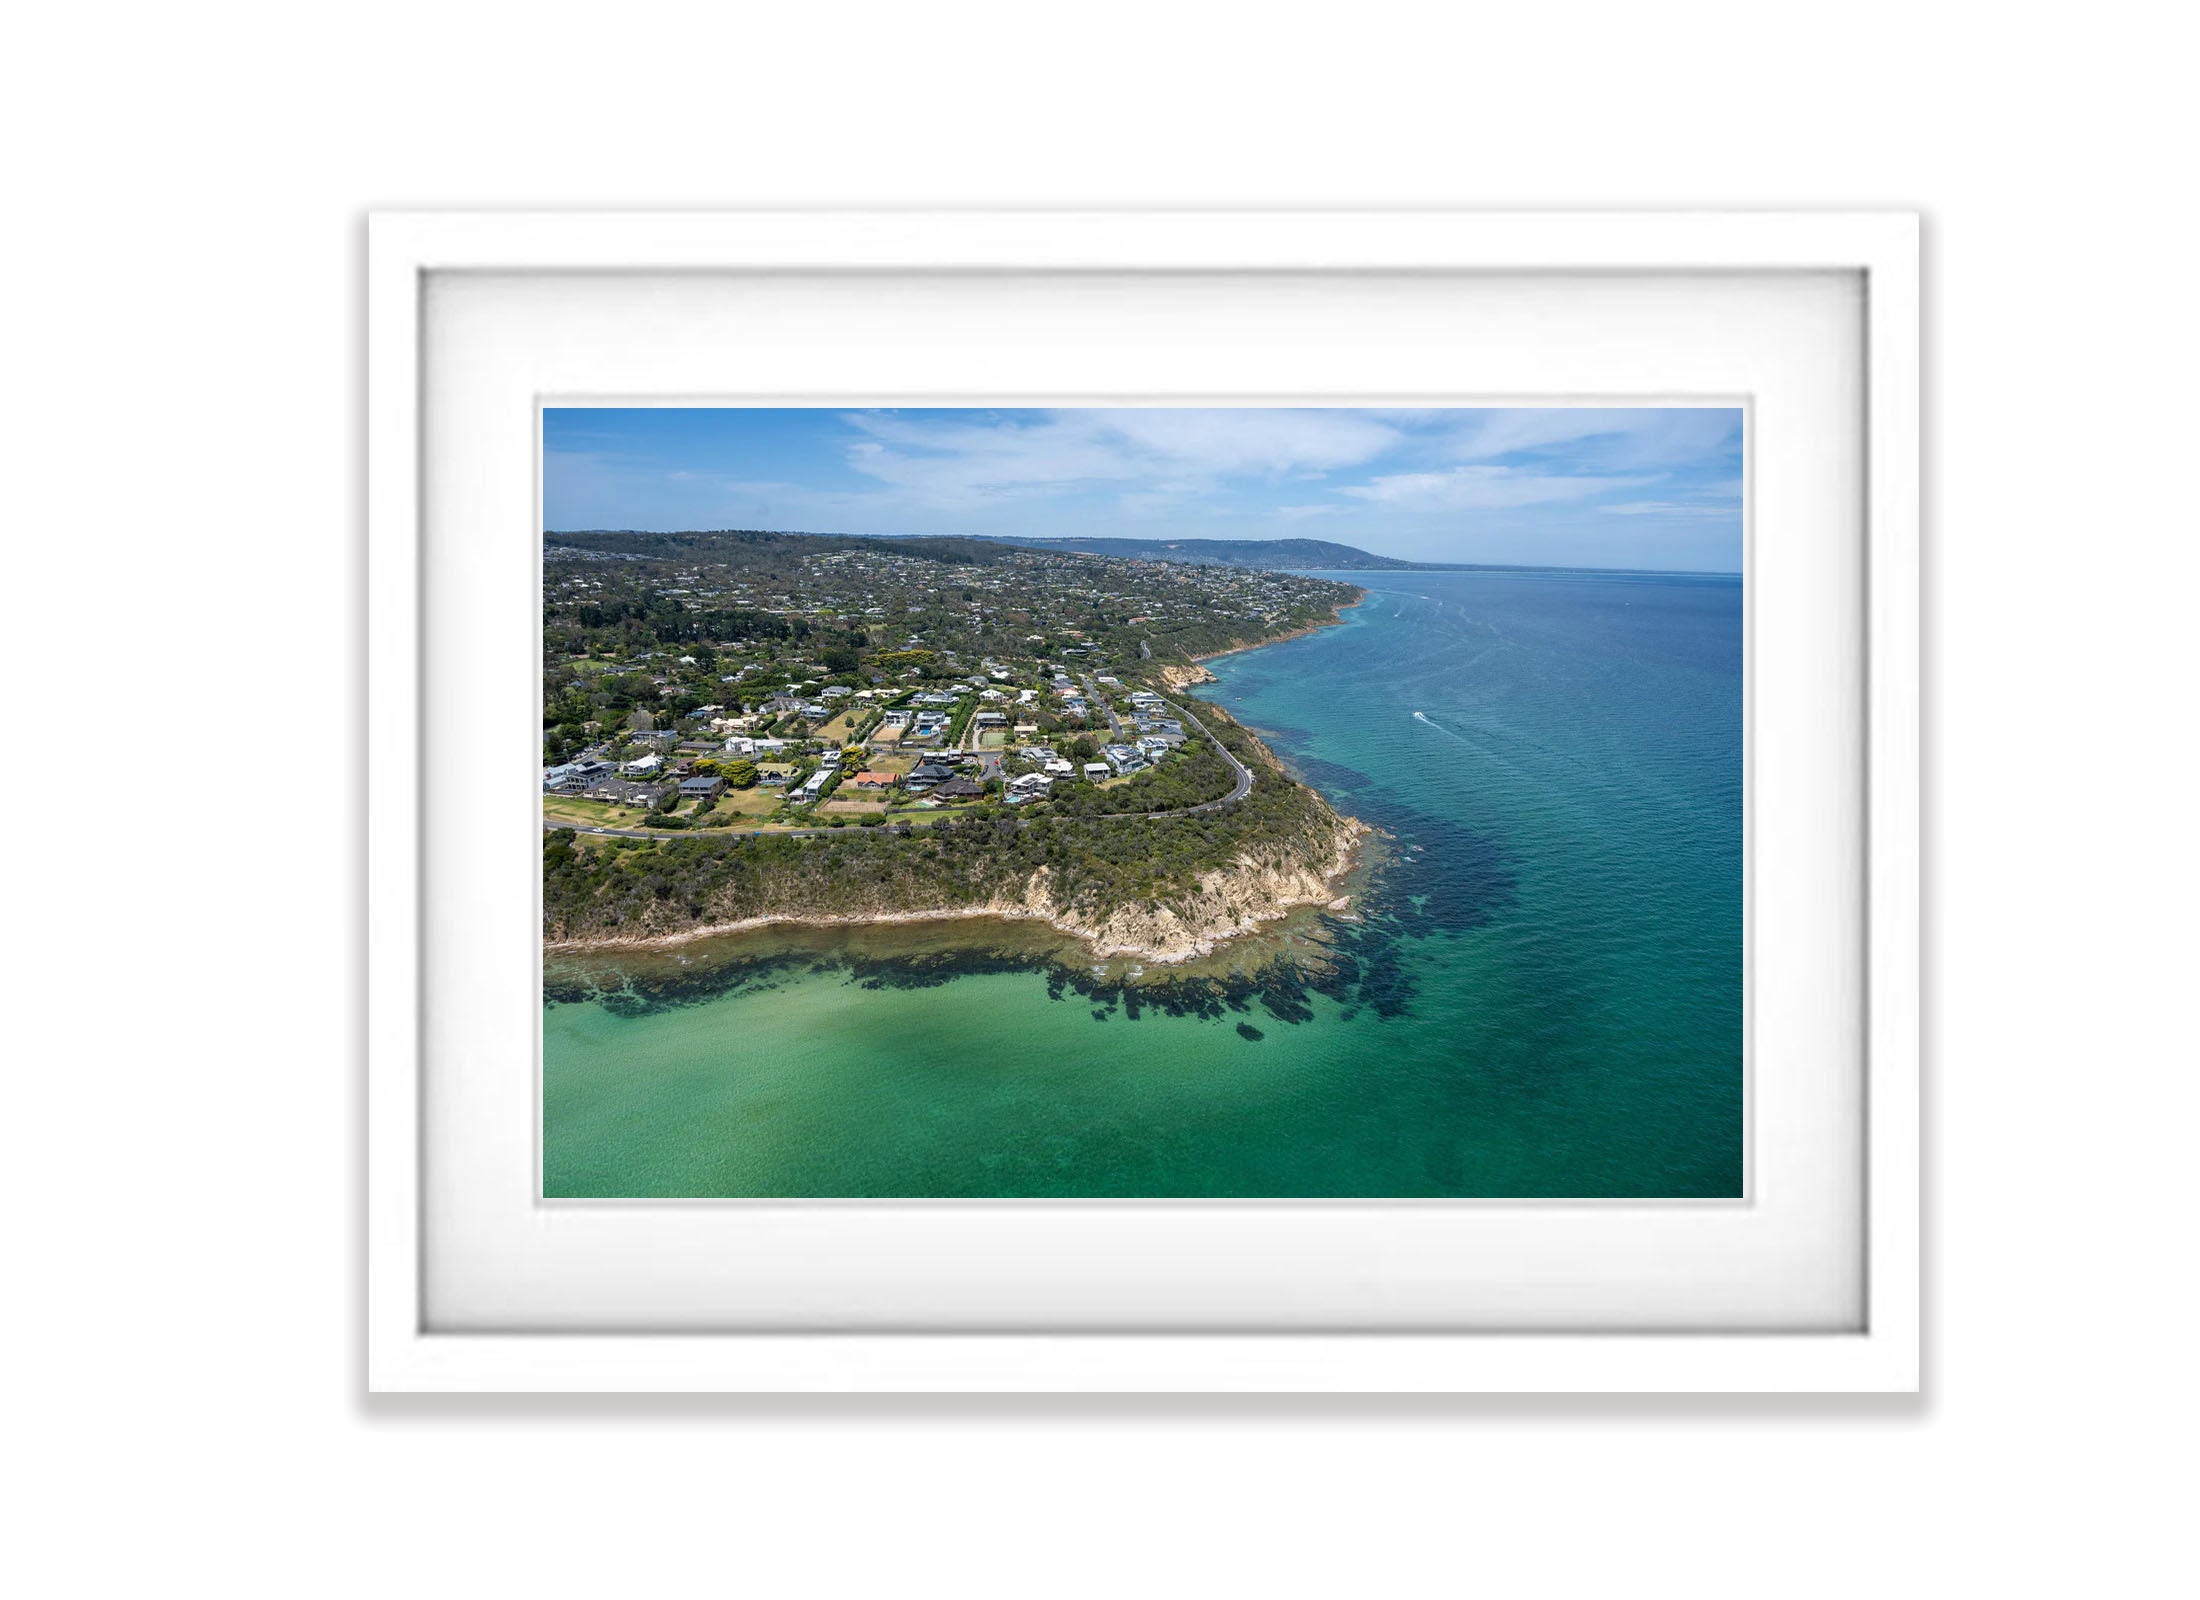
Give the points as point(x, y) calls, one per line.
point(406, 1352)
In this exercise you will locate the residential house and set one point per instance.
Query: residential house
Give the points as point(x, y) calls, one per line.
point(581, 776)
point(644, 795)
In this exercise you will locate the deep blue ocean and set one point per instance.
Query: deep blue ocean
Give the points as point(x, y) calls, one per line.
point(1540, 995)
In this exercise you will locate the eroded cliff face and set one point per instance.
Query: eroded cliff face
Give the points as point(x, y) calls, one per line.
point(1231, 900)
point(1175, 678)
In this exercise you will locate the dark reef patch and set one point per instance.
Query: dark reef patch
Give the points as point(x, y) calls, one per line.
point(1247, 1031)
point(930, 971)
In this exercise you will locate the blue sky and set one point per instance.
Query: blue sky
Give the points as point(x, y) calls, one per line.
point(1645, 487)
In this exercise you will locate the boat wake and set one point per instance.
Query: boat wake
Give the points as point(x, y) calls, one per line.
point(1425, 718)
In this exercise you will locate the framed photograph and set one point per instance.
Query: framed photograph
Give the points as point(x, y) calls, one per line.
point(1053, 801)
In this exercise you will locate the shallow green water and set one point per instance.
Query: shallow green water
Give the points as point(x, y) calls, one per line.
point(1544, 999)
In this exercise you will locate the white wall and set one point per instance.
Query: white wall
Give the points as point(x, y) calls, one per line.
point(183, 414)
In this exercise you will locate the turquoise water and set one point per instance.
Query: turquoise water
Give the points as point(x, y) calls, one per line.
point(1543, 998)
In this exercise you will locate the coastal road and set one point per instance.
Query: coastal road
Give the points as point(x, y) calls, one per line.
point(1244, 784)
point(674, 833)
point(1244, 773)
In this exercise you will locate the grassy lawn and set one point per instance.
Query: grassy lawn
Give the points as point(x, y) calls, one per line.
point(589, 813)
point(750, 802)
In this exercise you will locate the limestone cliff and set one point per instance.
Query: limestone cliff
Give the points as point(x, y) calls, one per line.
point(1231, 900)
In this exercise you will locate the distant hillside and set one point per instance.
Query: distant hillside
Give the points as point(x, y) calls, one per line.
point(985, 549)
point(715, 542)
point(1271, 553)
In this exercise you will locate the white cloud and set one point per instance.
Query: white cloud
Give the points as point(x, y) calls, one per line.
point(1635, 436)
point(1263, 441)
point(1483, 488)
point(1669, 508)
point(1169, 451)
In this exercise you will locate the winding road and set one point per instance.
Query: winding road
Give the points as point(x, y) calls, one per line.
point(1244, 785)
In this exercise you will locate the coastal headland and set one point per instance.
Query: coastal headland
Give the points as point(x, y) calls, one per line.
point(1189, 835)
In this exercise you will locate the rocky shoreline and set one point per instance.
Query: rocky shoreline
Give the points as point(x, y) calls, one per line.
point(1180, 677)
